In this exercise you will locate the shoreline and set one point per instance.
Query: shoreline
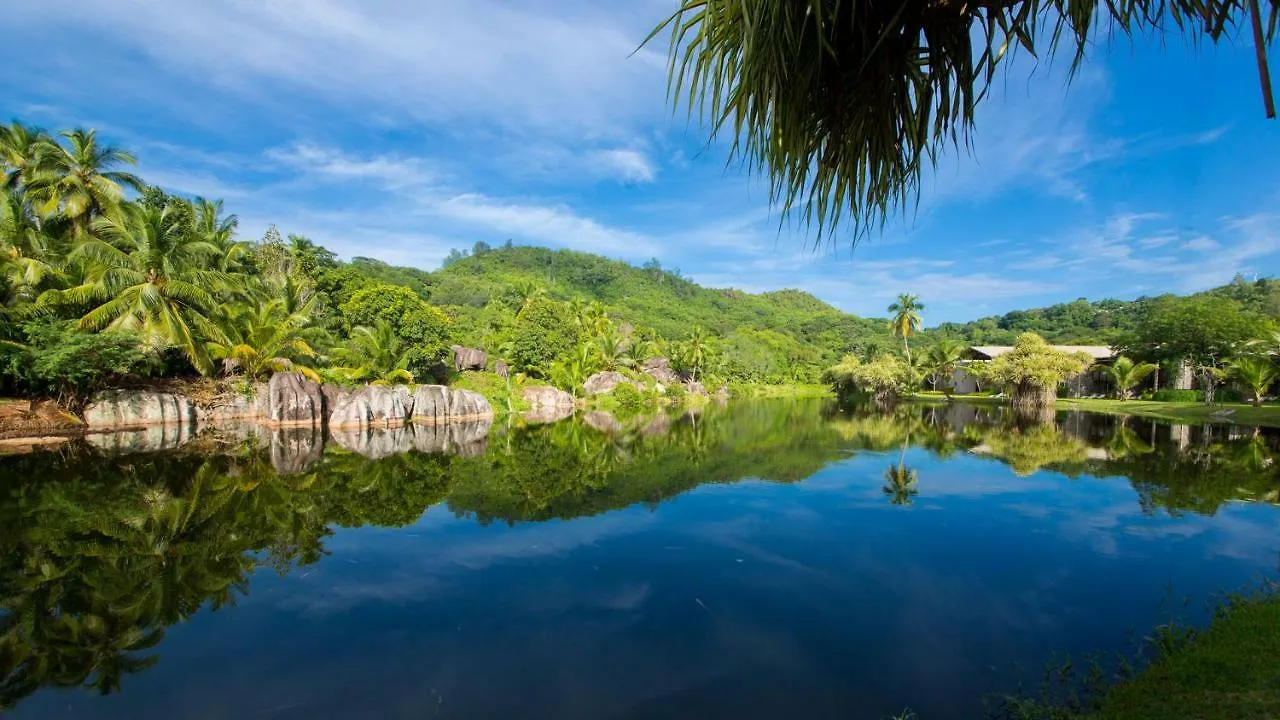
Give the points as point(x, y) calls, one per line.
point(1188, 413)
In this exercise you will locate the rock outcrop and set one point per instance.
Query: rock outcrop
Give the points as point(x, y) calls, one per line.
point(659, 368)
point(605, 382)
point(374, 406)
point(467, 405)
point(292, 399)
point(501, 369)
point(119, 409)
point(695, 388)
point(547, 404)
point(438, 404)
point(235, 407)
point(465, 358)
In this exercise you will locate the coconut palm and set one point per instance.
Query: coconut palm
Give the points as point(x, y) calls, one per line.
point(943, 359)
point(265, 337)
point(847, 103)
point(611, 348)
point(78, 179)
point(143, 273)
point(374, 354)
point(1126, 374)
point(20, 148)
point(1256, 372)
point(212, 226)
point(28, 255)
point(906, 319)
point(695, 353)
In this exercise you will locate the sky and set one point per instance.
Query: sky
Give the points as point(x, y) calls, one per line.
point(398, 131)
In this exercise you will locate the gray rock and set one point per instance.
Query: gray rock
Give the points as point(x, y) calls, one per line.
point(335, 395)
point(501, 369)
point(465, 358)
point(138, 408)
point(545, 396)
point(430, 404)
point(659, 368)
point(604, 382)
point(468, 405)
point(233, 408)
point(374, 406)
point(695, 388)
point(292, 399)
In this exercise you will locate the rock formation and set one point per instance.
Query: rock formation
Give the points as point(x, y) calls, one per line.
point(292, 399)
point(659, 368)
point(465, 358)
point(118, 409)
point(605, 382)
point(374, 406)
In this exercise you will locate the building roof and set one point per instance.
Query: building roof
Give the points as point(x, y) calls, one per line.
point(1097, 352)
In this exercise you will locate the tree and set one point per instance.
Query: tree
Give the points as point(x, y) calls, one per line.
point(695, 353)
point(846, 103)
point(29, 257)
point(374, 354)
point(885, 378)
point(79, 179)
point(144, 274)
point(1125, 374)
point(1033, 370)
point(1255, 372)
point(943, 359)
point(20, 147)
point(543, 333)
point(906, 319)
point(425, 331)
point(264, 336)
point(70, 364)
point(1202, 331)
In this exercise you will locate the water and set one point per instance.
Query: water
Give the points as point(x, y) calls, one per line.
point(766, 560)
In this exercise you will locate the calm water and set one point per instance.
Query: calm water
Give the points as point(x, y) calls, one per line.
point(761, 561)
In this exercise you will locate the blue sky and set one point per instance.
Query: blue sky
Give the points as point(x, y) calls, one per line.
point(400, 130)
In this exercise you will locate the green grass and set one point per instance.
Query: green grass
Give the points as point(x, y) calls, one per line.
point(796, 390)
point(1229, 670)
point(1267, 415)
point(503, 396)
point(934, 396)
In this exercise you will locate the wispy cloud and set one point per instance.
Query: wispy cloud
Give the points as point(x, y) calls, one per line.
point(628, 165)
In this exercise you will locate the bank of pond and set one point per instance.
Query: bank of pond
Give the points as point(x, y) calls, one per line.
point(760, 557)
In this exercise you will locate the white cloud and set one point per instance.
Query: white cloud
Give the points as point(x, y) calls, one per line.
point(628, 165)
point(557, 226)
point(392, 171)
point(1202, 243)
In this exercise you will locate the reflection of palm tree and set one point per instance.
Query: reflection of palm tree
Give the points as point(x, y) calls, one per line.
point(900, 483)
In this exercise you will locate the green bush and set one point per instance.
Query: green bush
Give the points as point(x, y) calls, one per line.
point(677, 393)
point(70, 364)
point(1230, 395)
point(628, 397)
point(1169, 395)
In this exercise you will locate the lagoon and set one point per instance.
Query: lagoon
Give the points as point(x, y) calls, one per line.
point(767, 559)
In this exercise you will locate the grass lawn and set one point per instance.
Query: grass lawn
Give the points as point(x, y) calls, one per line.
point(1230, 670)
point(796, 390)
point(1267, 415)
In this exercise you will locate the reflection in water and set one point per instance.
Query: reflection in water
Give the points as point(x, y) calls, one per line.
point(100, 553)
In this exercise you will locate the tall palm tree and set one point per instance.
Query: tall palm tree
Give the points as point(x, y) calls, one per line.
point(847, 103)
point(696, 351)
point(943, 359)
point(212, 226)
point(906, 319)
point(28, 255)
point(1256, 372)
point(1126, 374)
point(79, 178)
point(144, 273)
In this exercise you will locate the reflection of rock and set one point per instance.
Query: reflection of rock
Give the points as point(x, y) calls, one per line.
point(295, 449)
point(138, 408)
point(294, 400)
point(659, 368)
point(544, 415)
point(603, 382)
point(464, 438)
point(148, 439)
point(465, 358)
point(660, 425)
point(375, 442)
point(603, 421)
point(373, 406)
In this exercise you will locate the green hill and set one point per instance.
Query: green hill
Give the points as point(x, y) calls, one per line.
point(1101, 322)
point(766, 337)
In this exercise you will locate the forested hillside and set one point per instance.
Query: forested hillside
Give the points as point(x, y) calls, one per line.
point(768, 337)
point(1101, 322)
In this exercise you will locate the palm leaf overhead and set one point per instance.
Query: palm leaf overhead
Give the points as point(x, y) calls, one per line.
point(844, 103)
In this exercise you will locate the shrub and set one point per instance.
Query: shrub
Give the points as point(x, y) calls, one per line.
point(1171, 395)
point(676, 393)
point(1229, 395)
point(628, 397)
point(425, 329)
point(60, 360)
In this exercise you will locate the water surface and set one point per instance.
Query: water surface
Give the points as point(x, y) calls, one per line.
point(765, 560)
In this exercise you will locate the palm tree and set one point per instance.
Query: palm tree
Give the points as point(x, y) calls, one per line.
point(696, 351)
point(265, 337)
point(79, 179)
point(901, 483)
point(1256, 372)
point(27, 254)
point(846, 104)
point(906, 319)
point(1126, 374)
point(20, 148)
point(375, 354)
point(943, 359)
point(529, 291)
point(611, 349)
point(210, 225)
point(143, 273)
